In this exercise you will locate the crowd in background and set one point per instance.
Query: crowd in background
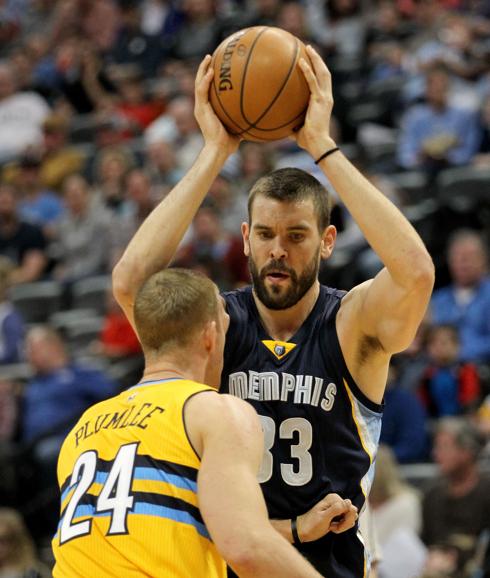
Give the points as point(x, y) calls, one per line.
point(97, 125)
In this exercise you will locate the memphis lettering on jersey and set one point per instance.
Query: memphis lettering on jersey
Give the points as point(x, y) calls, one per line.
point(272, 386)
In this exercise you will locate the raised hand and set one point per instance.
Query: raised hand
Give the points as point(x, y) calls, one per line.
point(314, 135)
point(212, 129)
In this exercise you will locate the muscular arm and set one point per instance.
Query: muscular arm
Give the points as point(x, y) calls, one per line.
point(154, 244)
point(379, 317)
point(226, 432)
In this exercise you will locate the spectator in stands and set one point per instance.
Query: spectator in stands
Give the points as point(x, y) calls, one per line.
point(178, 127)
point(57, 395)
point(117, 339)
point(397, 516)
point(465, 302)
point(132, 45)
point(82, 234)
point(111, 165)
point(17, 554)
point(11, 322)
point(435, 135)
point(59, 159)
point(21, 115)
point(200, 21)
point(448, 387)
point(255, 161)
point(292, 17)
point(404, 422)
point(21, 242)
point(345, 29)
point(37, 204)
point(228, 202)
point(458, 503)
point(222, 252)
point(133, 105)
point(482, 421)
point(83, 80)
point(139, 201)
point(483, 156)
point(161, 166)
point(52, 401)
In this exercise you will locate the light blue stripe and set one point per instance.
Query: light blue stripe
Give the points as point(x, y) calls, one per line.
point(146, 509)
point(153, 474)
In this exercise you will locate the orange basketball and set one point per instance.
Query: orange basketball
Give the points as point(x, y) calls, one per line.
point(259, 91)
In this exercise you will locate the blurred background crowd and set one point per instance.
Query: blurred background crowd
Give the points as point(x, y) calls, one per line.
point(96, 126)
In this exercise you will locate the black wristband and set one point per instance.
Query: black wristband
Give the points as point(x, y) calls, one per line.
point(294, 531)
point(326, 154)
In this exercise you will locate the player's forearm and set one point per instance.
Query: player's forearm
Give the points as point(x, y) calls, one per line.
point(154, 244)
point(272, 557)
point(387, 231)
point(283, 527)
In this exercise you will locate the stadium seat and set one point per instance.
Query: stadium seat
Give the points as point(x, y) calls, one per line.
point(16, 372)
point(37, 301)
point(465, 188)
point(91, 293)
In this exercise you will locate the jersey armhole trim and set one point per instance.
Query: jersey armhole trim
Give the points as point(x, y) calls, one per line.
point(183, 418)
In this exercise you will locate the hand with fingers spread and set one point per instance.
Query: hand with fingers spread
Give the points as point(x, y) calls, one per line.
point(331, 514)
point(314, 135)
point(212, 129)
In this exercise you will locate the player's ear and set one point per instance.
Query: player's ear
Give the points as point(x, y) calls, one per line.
point(328, 241)
point(246, 239)
point(210, 336)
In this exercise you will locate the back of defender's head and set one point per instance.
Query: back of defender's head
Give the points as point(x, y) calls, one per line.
point(290, 185)
point(172, 307)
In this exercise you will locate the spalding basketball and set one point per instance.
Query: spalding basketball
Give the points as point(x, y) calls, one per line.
point(259, 91)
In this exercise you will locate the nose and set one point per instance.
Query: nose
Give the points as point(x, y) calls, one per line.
point(277, 250)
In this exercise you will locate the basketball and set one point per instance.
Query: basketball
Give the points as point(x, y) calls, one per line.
point(259, 91)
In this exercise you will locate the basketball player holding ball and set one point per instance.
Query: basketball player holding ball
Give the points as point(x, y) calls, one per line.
point(312, 360)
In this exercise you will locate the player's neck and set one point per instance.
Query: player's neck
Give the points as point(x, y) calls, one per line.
point(159, 370)
point(283, 324)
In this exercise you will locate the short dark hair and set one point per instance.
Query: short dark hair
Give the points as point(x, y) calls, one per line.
point(171, 306)
point(290, 185)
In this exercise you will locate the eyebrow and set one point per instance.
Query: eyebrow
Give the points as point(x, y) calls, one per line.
point(261, 227)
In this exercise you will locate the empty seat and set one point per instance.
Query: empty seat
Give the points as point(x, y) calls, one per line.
point(464, 188)
point(91, 293)
point(37, 301)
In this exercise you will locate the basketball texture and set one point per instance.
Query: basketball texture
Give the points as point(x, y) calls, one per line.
point(259, 91)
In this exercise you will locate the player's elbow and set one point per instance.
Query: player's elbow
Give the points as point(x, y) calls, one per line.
point(423, 272)
point(122, 282)
point(244, 553)
point(244, 563)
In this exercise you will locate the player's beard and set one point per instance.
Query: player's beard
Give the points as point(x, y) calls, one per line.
point(277, 297)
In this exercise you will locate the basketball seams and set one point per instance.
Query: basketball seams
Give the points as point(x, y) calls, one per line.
point(276, 97)
point(218, 100)
point(244, 76)
point(289, 81)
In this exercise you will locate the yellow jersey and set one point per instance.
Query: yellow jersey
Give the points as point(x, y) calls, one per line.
point(128, 482)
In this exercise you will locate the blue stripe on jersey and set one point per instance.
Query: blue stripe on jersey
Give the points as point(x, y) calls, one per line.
point(142, 508)
point(152, 474)
point(162, 476)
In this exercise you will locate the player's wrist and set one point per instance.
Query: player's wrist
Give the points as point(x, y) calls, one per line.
point(213, 154)
point(295, 532)
point(319, 147)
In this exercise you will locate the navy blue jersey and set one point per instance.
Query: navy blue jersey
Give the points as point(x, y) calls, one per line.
point(320, 430)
